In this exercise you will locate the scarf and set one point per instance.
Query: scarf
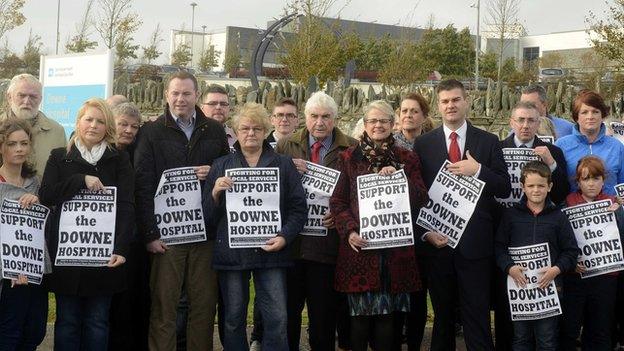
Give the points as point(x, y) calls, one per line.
point(576, 198)
point(379, 156)
point(95, 154)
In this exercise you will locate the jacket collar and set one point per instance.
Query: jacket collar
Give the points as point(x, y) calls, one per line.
point(169, 121)
point(267, 157)
point(301, 136)
point(74, 154)
point(522, 206)
point(582, 138)
point(43, 123)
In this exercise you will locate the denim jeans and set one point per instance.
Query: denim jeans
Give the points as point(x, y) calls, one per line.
point(540, 334)
point(270, 284)
point(588, 304)
point(81, 323)
point(23, 315)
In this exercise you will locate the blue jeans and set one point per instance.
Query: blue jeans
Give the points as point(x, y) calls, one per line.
point(23, 316)
point(81, 323)
point(540, 334)
point(270, 284)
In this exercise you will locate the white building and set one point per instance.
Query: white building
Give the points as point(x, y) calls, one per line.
point(198, 43)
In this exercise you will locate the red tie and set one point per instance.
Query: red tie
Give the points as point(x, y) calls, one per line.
point(454, 153)
point(316, 153)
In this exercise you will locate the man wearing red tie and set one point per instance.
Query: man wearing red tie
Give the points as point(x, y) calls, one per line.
point(466, 270)
point(311, 280)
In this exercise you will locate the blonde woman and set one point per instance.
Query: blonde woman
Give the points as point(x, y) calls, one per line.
point(90, 161)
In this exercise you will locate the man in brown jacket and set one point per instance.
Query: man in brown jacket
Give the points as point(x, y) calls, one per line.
point(311, 280)
point(23, 98)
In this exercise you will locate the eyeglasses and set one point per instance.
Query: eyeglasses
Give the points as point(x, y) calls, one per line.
point(522, 121)
point(375, 121)
point(247, 130)
point(285, 115)
point(215, 103)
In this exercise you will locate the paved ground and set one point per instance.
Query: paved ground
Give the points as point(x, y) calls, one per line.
point(48, 342)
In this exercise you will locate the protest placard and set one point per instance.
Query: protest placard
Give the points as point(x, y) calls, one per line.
point(546, 138)
point(385, 212)
point(178, 207)
point(253, 206)
point(319, 183)
point(618, 130)
point(452, 200)
point(87, 228)
point(597, 236)
point(619, 189)
point(532, 302)
point(22, 237)
point(516, 158)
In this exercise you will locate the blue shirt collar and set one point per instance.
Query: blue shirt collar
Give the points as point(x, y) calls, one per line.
point(325, 143)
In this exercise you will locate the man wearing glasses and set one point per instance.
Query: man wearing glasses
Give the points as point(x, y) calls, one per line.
point(284, 119)
point(311, 280)
point(216, 105)
point(524, 121)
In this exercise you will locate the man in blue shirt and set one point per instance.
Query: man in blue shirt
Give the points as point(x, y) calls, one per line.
point(537, 95)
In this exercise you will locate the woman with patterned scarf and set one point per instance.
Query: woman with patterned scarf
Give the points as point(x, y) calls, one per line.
point(377, 282)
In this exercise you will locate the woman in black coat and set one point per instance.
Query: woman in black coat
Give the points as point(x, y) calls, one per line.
point(83, 294)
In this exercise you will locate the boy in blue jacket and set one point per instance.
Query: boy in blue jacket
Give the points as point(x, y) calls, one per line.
point(535, 220)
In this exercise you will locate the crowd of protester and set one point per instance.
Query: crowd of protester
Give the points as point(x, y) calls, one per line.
point(158, 295)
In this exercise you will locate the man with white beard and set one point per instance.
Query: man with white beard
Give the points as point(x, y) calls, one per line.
point(23, 98)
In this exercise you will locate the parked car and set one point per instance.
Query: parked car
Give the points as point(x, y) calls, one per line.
point(547, 75)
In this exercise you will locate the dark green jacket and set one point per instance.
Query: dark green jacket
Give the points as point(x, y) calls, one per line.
point(323, 249)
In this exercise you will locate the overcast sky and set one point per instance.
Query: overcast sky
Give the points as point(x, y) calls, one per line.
point(538, 16)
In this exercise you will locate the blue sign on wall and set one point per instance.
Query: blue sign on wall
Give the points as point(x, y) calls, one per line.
point(62, 103)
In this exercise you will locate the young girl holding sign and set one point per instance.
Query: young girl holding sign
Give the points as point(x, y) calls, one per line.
point(91, 161)
point(23, 306)
point(589, 302)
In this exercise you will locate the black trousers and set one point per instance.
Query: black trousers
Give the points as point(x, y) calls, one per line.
point(587, 303)
point(312, 283)
point(448, 275)
point(503, 328)
point(130, 309)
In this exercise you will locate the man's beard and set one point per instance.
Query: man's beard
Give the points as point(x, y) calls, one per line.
point(24, 113)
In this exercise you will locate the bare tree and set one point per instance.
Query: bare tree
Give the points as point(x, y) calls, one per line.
point(150, 52)
point(315, 49)
point(503, 20)
point(609, 38)
point(10, 15)
point(80, 42)
point(113, 14)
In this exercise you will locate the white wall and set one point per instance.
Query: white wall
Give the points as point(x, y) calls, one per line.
point(216, 38)
point(558, 41)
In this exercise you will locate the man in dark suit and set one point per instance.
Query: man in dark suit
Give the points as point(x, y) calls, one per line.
point(466, 270)
point(525, 121)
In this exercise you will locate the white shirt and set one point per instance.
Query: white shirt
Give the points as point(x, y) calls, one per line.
point(519, 143)
point(461, 137)
point(461, 140)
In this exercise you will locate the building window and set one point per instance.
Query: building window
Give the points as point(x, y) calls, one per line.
point(531, 54)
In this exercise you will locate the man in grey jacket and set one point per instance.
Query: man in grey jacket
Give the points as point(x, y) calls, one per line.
point(23, 99)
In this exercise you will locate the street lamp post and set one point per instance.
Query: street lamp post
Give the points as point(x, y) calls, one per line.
point(193, 4)
point(203, 38)
point(477, 43)
point(58, 17)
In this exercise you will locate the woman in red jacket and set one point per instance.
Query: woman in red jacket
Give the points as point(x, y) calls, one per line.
point(377, 282)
